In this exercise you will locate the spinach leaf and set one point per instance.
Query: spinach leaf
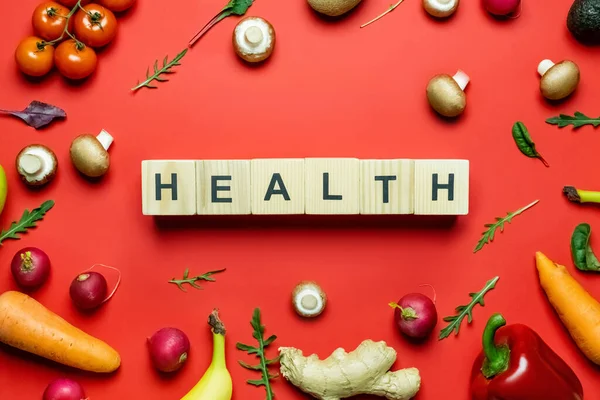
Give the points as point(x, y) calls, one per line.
point(581, 251)
point(525, 143)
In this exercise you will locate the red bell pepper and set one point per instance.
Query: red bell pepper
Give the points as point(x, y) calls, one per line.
point(516, 364)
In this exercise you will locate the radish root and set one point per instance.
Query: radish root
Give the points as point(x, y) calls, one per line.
point(116, 285)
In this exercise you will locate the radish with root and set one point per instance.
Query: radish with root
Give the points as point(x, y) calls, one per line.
point(362, 371)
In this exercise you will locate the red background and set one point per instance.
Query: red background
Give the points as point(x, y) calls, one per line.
point(330, 89)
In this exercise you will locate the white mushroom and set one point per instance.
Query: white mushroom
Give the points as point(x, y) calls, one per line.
point(446, 94)
point(440, 8)
point(89, 154)
point(36, 165)
point(254, 39)
point(558, 80)
point(308, 299)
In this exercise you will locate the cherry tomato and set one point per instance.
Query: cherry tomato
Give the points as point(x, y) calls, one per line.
point(33, 58)
point(75, 60)
point(71, 3)
point(96, 26)
point(117, 5)
point(49, 20)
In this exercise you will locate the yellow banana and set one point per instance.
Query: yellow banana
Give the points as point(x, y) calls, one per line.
point(216, 382)
point(3, 188)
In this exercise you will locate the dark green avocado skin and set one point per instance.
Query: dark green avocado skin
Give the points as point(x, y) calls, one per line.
point(584, 21)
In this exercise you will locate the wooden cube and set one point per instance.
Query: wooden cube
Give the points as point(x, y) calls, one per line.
point(386, 186)
point(441, 187)
point(223, 187)
point(168, 187)
point(332, 185)
point(277, 186)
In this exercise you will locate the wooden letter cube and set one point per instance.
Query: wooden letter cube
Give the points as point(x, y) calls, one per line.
point(168, 187)
point(332, 186)
point(223, 187)
point(441, 187)
point(386, 186)
point(277, 186)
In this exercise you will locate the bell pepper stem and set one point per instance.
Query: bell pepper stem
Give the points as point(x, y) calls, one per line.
point(496, 357)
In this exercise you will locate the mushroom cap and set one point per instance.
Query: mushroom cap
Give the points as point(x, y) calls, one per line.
point(308, 299)
point(440, 8)
point(560, 80)
point(254, 39)
point(44, 163)
point(88, 156)
point(333, 8)
point(445, 96)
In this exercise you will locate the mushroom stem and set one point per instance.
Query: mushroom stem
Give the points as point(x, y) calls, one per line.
point(254, 35)
point(30, 164)
point(461, 79)
point(544, 66)
point(105, 139)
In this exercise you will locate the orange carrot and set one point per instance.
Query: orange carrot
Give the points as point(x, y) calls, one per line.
point(576, 308)
point(29, 326)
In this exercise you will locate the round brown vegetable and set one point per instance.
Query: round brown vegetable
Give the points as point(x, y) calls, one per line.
point(308, 299)
point(333, 8)
point(440, 8)
point(89, 154)
point(254, 39)
point(558, 80)
point(36, 165)
point(446, 94)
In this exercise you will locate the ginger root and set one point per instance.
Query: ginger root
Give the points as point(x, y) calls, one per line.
point(343, 375)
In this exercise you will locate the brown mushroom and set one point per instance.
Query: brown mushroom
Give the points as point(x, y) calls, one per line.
point(558, 80)
point(440, 8)
point(89, 154)
point(308, 299)
point(254, 39)
point(36, 165)
point(446, 94)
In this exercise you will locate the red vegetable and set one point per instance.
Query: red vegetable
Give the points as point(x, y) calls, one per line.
point(30, 267)
point(516, 364)
point(169, 349)
point(416, 315)
point(88, 290)
point(64, 389)
point(502, 7)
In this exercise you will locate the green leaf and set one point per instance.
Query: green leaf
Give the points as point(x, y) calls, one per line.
point(192, 281)
point(581, 251)
point(488, 235)
point(239, 7)
point(28, 221)
point(156, 76)
point(260, 352)
point(525, 143)
point(577, 120)
point(233, 7)
point(466, 310)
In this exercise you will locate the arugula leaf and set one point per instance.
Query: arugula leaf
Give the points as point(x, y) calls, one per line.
point(156, 76)
point(192, 281)
point(38, 114)
point(578, 120)
point(263, 366)
point(525, 143)
point(488, 235)
point(581, 251)
point(27, 221)
point(234, 7)
point(466, 310)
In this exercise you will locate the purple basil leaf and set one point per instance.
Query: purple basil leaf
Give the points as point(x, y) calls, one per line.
point(38, 114)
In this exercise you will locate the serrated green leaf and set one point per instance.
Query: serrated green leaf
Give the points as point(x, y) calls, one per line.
point(578, 120)
point(166, 68)
point(28, 221)
point(248, 366)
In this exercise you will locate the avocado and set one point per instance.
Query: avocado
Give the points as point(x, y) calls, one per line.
point(584, 21)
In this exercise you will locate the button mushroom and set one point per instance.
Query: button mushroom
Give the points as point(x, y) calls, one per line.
point(36, 165)
point(440, 8)
point(446, 94)
point(89, 154)
point(558, 80)
point(254, 39)
point(308, 299)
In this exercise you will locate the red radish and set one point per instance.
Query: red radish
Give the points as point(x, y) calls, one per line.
point(64, 389)
point(30, 267)
point(88, 290)
point(169, 349)
point(502, 7)
point(415, 315)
